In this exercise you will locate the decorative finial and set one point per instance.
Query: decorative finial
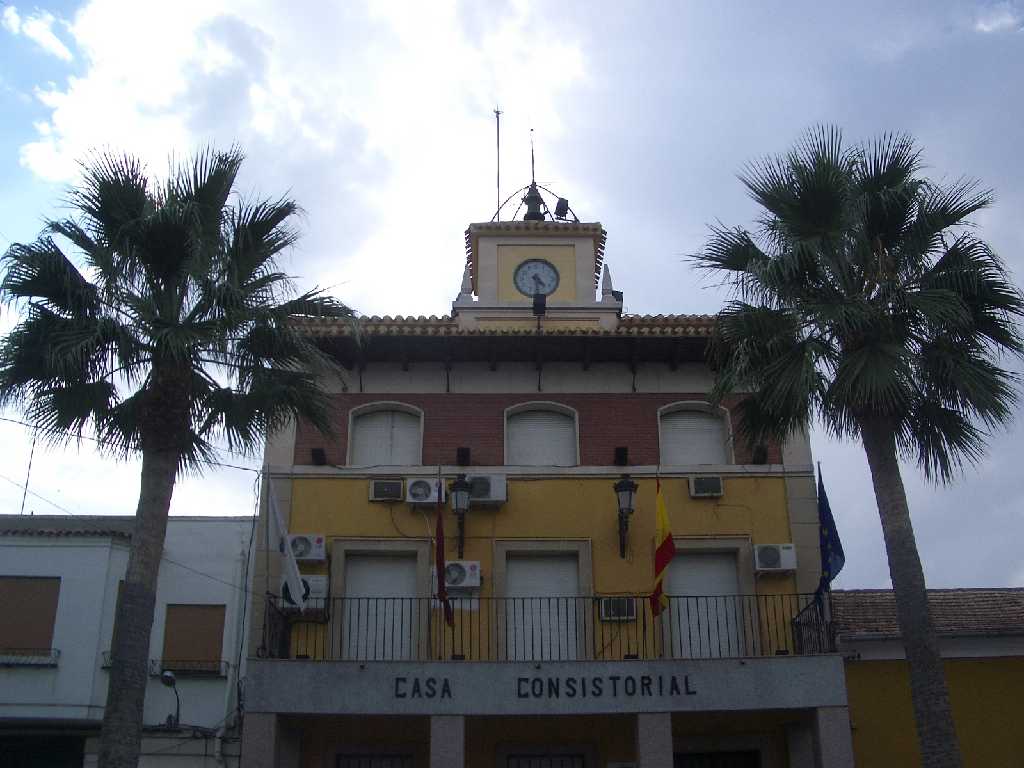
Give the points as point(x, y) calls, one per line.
point(465, 297)
point(606, 282)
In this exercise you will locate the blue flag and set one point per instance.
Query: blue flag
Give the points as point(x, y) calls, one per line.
point(832, 556)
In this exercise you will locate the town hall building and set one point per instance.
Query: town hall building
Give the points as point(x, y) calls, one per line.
point(540, 421)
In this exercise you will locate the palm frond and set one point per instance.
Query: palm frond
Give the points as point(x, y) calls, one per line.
point(864, 298)
point(41, 272)
point(113, 196)
point(942, 439)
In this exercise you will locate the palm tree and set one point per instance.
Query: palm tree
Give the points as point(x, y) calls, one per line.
point(172, 337)
point(864, 299)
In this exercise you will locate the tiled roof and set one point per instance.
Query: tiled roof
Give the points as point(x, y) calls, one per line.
point(629, 325)
point(104, 526)
point(871, 613)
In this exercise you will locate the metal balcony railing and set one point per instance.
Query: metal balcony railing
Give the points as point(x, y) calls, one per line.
point(29, 657)
point(548, 628)
point(189, 667)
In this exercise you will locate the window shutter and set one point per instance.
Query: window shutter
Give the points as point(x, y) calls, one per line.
point(193, 638)
point(386, 438)
point(28, 607)
point(692, 437)
point(541, 438)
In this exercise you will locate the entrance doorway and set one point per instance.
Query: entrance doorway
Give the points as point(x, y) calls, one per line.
point(380, 611)
point(542, 611)
point(717, 760)
point(545, 761)
point(374, 761)
point(707, 618)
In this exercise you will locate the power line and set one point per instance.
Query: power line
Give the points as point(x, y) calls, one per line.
point(201, 461)
point(97, 527)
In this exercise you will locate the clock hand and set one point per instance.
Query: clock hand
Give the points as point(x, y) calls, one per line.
point(538, 282)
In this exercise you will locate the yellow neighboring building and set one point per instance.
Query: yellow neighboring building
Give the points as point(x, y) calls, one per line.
point(981, 638)
point(554, 408)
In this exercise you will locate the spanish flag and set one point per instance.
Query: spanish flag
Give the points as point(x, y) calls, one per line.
point(664, 551)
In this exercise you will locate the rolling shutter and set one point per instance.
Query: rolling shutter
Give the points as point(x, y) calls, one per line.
point(28, 607)
point(544, 620)
point(692, 437)
point(541, 438)
point(385, 438)
point(380, 613)
point(193, 638)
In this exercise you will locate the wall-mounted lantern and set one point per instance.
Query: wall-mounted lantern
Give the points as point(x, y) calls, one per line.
point(625, 492)
point(459, 490)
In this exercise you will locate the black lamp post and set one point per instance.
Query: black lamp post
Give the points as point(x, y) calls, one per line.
point(168, 679)
point(459, 490)
point(625, 492)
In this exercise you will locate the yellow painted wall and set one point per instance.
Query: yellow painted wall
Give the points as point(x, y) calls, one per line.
point(553, 509)
point(578, 508)
point(563, 257)
point(985, 695)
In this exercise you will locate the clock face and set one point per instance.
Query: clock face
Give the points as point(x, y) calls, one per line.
point(536, 276)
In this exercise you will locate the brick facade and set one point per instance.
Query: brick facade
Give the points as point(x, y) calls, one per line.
point(477, 421)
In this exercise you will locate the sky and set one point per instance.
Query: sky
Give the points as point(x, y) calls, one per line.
point(378, 118)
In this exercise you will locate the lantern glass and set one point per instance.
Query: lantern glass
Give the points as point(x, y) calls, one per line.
point(459, 490)
point(625, 490)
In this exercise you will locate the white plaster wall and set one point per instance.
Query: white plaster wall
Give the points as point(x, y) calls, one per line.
point(522, 378)
point(209, 558)
point(88, 590)
point(211, 554)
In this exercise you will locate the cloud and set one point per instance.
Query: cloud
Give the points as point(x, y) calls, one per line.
point(377, 119)
point(38, 28)
point(1000, 17)
point(328, 106)
point(11, 20)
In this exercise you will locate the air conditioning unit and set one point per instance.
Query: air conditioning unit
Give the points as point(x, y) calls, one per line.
point(773, 558)
point(392, 489)
point(617, 608)
point(420, 490)
point(705, 486)
point(308, 547)
point(462, 574)
point(487, 489)
point(314, 587)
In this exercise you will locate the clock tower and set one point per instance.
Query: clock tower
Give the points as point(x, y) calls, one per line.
point(509, 264)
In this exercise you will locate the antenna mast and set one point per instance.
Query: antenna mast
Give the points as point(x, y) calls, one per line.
point(497, 130)
point(533, 168)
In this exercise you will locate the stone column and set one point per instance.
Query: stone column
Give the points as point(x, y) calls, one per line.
point(800, 743)
point(266, 744)
point(447, 741)
point(654, 740)
point(833, 739)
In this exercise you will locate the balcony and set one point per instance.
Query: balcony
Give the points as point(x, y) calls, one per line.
point(29, 657)
point(533, 629)
point(189, 667)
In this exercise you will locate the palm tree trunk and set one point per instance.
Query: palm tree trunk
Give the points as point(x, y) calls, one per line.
point(121, 736)
point(936, 733)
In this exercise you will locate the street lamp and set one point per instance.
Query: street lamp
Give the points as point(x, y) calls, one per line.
point(459, 490)
point(168, 679)
point(625, 493)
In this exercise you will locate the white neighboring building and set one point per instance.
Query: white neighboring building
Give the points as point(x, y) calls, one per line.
point(59, 581)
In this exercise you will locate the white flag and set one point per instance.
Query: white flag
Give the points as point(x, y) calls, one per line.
point(279, 536)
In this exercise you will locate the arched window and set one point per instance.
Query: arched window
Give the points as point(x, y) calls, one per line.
point(694, 433)
point(385, 434)
point(541, 435)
